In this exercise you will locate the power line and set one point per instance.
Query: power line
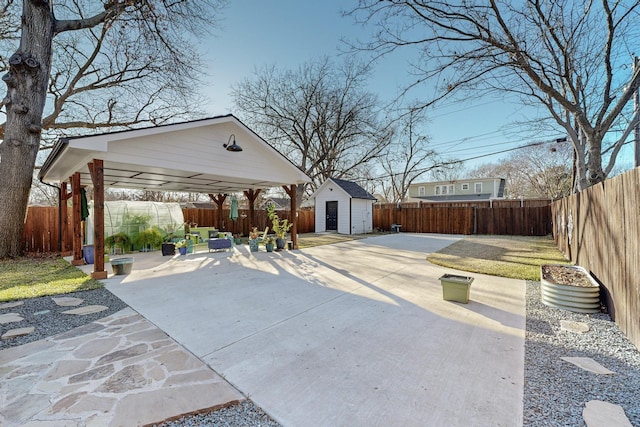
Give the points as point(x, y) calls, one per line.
point(454, 162)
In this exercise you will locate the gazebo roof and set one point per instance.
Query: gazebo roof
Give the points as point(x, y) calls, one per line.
point(187, 157)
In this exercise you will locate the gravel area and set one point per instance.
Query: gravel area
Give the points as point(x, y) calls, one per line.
point(47, 318)
point(244, 414)
point(555, 391)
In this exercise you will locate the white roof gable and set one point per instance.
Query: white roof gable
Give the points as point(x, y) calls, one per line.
point(180, 157)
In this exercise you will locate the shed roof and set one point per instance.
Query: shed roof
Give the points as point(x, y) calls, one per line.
point(352, 189)
point(187, 156)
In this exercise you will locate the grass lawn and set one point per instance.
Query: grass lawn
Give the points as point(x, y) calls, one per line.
point(36, 277)
point(309, 240)
point(517, 257)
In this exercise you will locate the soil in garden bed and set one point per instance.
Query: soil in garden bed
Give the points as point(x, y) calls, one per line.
point(566, 275)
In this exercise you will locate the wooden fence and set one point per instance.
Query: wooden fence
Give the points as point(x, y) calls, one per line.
point(42, 235)
point(41, 230)
point(521, 221)
point(599, 229)
point(209, 218)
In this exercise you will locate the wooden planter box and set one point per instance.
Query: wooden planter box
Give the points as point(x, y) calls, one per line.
point(456, 288)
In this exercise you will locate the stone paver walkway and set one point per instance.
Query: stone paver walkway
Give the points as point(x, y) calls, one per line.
point(118, 371)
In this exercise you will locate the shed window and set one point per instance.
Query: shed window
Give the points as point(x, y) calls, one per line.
point(478, 187)
point(421, 191)
point(465, 186)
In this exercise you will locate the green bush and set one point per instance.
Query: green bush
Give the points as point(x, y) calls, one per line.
point(151, 237)
point(119, 240)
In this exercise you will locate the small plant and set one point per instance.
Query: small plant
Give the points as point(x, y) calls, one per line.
point(253, 234)
point(181, 244)
point(279, 226)
point(119, 240)
point(171, 232)
point(270, 240)
point(151, 237)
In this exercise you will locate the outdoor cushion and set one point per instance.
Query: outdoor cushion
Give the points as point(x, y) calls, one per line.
point(218, 244)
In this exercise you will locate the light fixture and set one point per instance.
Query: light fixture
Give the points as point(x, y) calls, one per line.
point(233, 147)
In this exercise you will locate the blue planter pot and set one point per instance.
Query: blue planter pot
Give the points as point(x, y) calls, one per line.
point(87, 252)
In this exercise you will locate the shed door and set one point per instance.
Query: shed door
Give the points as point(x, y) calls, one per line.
point(332, 216)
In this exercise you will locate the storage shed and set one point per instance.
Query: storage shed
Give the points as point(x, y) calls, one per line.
point(343, 206)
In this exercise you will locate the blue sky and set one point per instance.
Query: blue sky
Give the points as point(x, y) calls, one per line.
point(287, 33)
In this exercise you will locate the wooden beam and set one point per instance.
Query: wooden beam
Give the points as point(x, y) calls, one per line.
point(64, 219)
point(291, 191)
point(76, 219)
point(219, 201)
point(96, 168)
point(252, 195)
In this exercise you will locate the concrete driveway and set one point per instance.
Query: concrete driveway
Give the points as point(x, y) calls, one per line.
point(351, 334)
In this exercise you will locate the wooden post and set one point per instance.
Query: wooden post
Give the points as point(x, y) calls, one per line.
point(64, 219)
point(219, 201)
point(252, 195)
point(291, 191)
point(77, 231)
point(96, 168)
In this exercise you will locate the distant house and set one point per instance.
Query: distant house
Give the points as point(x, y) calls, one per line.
point(472, 189)
point(279, 203)
point(344, 207)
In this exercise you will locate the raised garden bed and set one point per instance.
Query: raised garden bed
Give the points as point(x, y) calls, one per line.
point(569, 287)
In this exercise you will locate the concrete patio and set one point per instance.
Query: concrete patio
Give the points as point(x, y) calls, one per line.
point(351, 334)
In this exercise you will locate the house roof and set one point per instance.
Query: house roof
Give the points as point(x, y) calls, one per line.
point(456, 198)
point(352, 189)
point(279, 202)
point(453, 181)
point(187, 156)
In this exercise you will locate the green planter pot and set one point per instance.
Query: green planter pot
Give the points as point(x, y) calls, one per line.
point(456, 288)
point(121, 265)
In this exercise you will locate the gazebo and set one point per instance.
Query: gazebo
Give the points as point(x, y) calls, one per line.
point(216, 156)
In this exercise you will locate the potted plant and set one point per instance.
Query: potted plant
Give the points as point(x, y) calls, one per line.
point(169, 239)
point(279, 226)
point(269, 243)
point(253, 239)
point(119, 240)
point(149, 239)
point(181, 245)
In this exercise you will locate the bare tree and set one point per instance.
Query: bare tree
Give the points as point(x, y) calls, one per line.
point(128, 63)
point(319, 116)
point(566, 55)
point(408, 158)
point(541, 170)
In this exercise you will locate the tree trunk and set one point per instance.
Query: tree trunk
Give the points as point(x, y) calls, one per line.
point(26, 82)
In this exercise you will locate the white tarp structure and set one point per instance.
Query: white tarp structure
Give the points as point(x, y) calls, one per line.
point(132, 217)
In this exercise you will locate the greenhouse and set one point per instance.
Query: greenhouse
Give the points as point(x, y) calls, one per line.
point(131, 218)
